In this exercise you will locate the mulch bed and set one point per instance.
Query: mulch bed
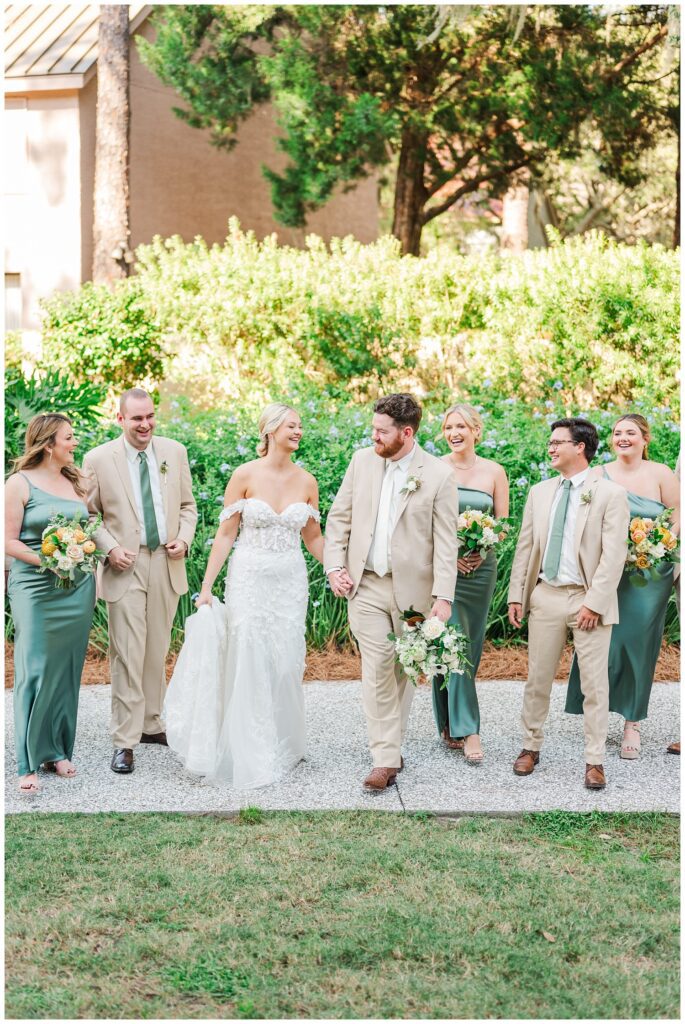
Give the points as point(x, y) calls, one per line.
point(335, 664)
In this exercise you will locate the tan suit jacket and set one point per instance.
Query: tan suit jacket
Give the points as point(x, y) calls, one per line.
point(601, 544)
point(110, 493)
point(423, 548)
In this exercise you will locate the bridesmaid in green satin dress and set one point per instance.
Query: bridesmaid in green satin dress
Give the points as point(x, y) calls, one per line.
point(483, 485)
point(636, 640)
point(51, 624)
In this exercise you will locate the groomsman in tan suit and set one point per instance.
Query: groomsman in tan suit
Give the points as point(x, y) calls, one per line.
point(143, 490)
point(391, 544)
point(568, 563)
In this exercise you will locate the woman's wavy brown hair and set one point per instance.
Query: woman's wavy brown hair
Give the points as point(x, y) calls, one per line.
point(640, 422)
point(40, 435)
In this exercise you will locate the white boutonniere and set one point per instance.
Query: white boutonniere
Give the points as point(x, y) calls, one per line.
point(586, 497)
point(413, 483)
point(164, 469)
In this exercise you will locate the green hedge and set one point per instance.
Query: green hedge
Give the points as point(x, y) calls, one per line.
point(594, 320)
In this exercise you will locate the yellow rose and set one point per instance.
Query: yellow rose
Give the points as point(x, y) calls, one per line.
point(642, 562)
point(47, 547)
point(89, 547)
point(671, 542)
point(637, 524)
point(638, 535)
point(79, 536)
point(62, 533)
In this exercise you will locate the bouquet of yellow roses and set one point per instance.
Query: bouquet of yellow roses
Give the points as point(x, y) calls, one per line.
point(651, 543)
point(68, 547)
point(479, 532)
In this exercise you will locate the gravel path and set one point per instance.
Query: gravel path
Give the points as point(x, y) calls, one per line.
point(434, 779)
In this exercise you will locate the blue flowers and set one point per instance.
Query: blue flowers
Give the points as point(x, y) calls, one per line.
point(522, 481)
point(203, 496)
point(430, 447)
point(224, 467)
point(490, 443)
point(242, 450)
point(557, 385)
point(209, 542)
point(549, 405)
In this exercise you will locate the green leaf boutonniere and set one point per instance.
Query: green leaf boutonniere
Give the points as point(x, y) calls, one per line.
point(164, 469)
point(413, 483)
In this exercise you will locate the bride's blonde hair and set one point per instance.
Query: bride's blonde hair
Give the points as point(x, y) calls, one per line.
point(270, 420)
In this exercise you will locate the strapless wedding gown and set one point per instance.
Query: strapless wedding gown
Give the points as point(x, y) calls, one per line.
point(234, 710)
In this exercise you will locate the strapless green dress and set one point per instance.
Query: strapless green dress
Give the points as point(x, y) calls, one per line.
point(636, 639)
point(457, 705)
point(50, 640)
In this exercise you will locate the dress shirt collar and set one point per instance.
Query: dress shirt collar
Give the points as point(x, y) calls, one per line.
point(132, 453)
point(402, 463)
point(576, 481)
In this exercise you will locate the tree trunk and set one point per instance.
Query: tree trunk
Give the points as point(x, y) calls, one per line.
point(111, 254)
point(514, 237)
point(410, 192)
point(676, 226)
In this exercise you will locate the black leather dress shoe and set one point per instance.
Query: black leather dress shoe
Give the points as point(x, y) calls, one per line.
point(122, 762)
point(154, 737)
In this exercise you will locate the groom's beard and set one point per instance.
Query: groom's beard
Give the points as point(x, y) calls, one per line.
point(386, 451)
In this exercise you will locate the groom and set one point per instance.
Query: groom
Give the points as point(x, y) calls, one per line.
point(391, 544)
point(141, 486)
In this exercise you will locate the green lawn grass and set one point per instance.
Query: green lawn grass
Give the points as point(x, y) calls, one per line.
point(342, 915)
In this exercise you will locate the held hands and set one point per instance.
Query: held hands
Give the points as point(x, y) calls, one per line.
point(469, 563)
point(121, 558)
point(441, 610)
point(341, 582)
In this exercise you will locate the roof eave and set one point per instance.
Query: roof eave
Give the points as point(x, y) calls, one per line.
point(48, 83)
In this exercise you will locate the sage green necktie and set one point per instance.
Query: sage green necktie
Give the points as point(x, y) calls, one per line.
point(553, 556)
point(151, 531)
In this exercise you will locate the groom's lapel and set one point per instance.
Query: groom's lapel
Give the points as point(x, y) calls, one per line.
point(121, 464)
point(377, 474)
point(546, 502)
point(415, 467)
point(583, 512)
point(159, 449)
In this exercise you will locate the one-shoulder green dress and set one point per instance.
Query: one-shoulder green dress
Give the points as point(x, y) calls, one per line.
point(457, 705)
point(636, 639)
point(51, 636)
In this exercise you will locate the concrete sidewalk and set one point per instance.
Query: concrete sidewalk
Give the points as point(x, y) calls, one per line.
point(434, 779)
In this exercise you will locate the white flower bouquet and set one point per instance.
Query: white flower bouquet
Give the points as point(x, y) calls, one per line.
point(479, 532)
point(429, 647)
point(68, 547)
point(651, 542)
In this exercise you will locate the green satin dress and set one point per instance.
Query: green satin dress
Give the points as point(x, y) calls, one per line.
point(457, 705)
point(636, 639)
point(50, 640)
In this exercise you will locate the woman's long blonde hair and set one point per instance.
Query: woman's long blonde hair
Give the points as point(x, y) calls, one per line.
point(40, 436)
point(270, 420)
point(641, 423)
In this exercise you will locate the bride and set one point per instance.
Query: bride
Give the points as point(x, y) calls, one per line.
point(234, 708)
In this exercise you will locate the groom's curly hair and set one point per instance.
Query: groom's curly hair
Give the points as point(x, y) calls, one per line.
point(404, 410)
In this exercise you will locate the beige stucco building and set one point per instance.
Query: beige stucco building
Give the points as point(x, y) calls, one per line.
point(179, 183)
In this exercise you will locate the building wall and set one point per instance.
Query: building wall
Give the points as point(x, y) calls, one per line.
point(180, 184)
point(42, 197)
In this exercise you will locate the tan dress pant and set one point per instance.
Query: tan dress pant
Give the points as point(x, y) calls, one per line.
point(139, 634)
point(553, 612)
point(386, 691)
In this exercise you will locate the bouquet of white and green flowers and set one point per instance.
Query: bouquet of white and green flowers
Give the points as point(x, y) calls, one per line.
point(429, 647)
point(479, 532)
point(68, 547)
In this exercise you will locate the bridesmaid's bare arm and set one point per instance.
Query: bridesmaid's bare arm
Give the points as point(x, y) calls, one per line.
point(16, 496)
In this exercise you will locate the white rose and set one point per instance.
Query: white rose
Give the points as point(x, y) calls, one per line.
point(658, 550)
point(64, 563)
point(75, 553)
point(433, 628)
point(489, 537)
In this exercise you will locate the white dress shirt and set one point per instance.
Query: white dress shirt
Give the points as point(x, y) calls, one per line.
point(155, 486)
point(568, 566)
point(395, 478)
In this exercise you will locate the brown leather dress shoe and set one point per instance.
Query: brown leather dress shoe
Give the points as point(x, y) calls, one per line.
point(526, 761)
point(379, 779)
point(122, 762)
point(154, 737)
point(594, 776)
point(673, 748)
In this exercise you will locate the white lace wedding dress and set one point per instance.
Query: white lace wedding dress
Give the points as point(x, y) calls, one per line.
point(234, 710)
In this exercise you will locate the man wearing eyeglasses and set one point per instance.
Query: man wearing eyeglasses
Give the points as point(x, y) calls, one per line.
point(568, 563)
